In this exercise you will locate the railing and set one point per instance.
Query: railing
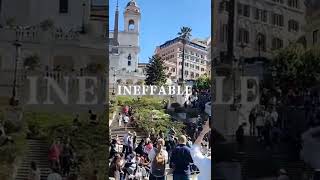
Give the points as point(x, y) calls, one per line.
point(36, 34)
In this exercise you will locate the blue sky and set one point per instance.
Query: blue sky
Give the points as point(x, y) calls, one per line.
point(161, 21)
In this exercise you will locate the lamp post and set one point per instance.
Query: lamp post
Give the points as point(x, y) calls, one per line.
point(114, 79)
point(83, 16)
point(13, 101)
point(273, 74)
point(242, 46)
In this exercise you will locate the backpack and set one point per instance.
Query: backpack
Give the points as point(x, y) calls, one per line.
point(158, 164)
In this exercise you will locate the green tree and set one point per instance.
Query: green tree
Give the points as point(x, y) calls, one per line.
point(184, 34)
point(296, 67)
point(155, 71)
point(203, 82)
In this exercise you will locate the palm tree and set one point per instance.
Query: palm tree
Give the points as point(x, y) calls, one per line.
point(184, 34)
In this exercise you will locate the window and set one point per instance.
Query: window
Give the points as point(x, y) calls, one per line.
point(315, 36)
point(244, 10)
point(293, 26)
point(197, 75)
point(180, 49)
point(202, 62)
point(278, 1)
point(180, 63)
point(201, 56)
point(192, 74)
point(224, 33)
point(223, 6)
point(243, 36)
point(197, 60)
point(261, 15)
point(277, 43)
point(186, 64)
point(293, 3)
point(186, 73)
point(131, 25)
point(277, 19)
point(261, 42)
point(197, 68)
point(63, 6)
point(192, 53)
point(202, 69)
point(173, 70)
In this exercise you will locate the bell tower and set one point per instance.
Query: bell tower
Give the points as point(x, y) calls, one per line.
point(132, 17)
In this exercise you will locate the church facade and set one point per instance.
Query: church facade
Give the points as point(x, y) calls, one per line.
point(124, 47)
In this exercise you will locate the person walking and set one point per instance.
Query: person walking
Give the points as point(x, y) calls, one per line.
point(252, 121)
point(125, 122)
point(120, 119)
point(125, 142)
point(67, 155)
point(158, 158)
point(181, 160)
point(240, 137)
point(34, 173)
point(134, 140)
point(54, 154)
point(259, 124)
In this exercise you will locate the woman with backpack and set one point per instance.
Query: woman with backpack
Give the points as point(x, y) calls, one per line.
point(159, 158)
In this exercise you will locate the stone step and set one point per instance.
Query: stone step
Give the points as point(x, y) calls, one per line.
point(38, 152)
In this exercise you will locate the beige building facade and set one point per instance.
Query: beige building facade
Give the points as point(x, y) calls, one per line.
point(196, 58)
point(261, 26)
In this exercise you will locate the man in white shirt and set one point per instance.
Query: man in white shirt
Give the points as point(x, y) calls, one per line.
point(202, 162)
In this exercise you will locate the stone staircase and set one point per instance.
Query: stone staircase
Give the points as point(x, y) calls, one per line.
point(121, 132)
point(257, 162)
point(38, 152)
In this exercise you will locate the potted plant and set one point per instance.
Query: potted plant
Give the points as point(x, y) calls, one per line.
point(11, 22)
point(47, 24)
point(31, 62)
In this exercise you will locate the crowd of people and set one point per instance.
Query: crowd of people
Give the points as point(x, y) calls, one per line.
point(62, 156)
point(264, 123)
point(159, 154)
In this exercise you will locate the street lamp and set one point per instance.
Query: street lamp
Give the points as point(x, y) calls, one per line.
point(83, 17)
point(242, 46)
point(13, 101)
point(273, 74)
point(114, 79)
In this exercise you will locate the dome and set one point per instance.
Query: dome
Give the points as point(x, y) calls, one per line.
point(132, 6)
point(132, 3)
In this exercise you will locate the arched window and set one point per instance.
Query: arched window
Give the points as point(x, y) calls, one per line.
point(129, 60)
point(131, 25)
